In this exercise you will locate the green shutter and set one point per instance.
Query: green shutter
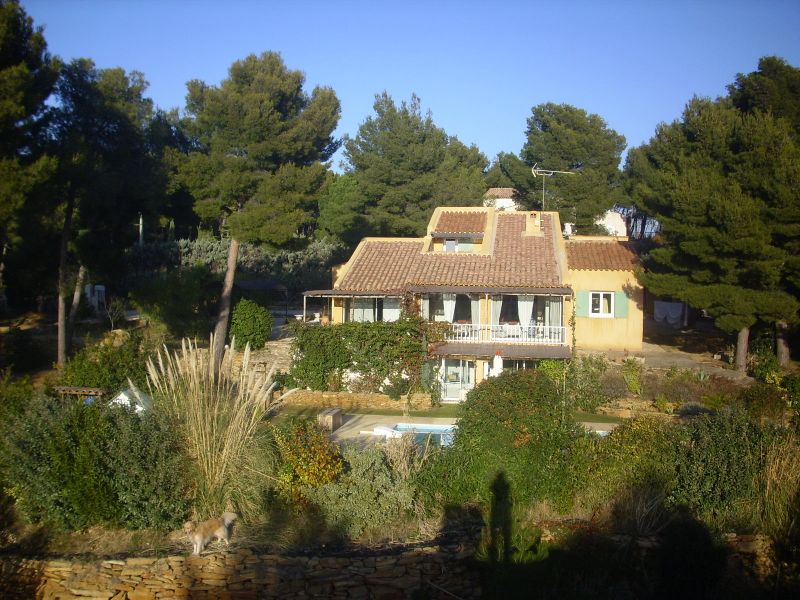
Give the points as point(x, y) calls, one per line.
point(581, 304)
point(620, 305)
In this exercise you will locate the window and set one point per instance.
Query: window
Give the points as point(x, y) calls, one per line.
point(362, 310)
point(451, 245)
point(436, 308)
point(601, 304)
point(518, 365)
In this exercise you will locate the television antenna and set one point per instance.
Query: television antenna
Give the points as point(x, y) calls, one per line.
point(544, 174)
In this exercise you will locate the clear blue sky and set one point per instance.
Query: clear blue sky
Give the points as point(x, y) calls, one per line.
point(479, 67)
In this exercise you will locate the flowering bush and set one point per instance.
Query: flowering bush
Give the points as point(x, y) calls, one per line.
point(309, 458)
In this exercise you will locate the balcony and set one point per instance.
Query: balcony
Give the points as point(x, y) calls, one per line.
point(542, 335)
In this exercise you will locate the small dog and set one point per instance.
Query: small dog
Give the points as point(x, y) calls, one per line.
point(200, 534)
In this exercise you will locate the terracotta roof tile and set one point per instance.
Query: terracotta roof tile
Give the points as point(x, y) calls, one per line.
point(517, 261)
point(598, 255)
point(461, 222)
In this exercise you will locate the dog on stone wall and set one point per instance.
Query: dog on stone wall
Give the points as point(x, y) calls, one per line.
point(200, 534)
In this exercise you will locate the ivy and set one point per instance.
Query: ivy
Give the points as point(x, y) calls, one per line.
point(382, 355)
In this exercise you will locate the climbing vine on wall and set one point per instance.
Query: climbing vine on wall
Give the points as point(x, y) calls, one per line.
point(370, 356)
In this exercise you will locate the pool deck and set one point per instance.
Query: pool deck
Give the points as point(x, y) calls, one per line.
point(353, 425)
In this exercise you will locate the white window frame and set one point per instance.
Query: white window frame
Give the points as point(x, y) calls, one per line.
point(455, 244)
point(599, 296)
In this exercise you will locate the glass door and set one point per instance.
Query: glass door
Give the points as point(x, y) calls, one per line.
point(458, 377)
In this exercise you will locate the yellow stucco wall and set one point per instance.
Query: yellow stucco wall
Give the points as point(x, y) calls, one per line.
point(593, 333)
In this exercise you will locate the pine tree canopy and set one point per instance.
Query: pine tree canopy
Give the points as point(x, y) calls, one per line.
point(260, 143)
point(723, 185)
point(405, 166)
point(565, 138)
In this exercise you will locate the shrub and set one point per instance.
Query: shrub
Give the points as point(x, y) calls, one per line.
point(638, 454)
point(586, 381)
point(74, 465)
point(370, 495)
point(183, 300)
point(633, 374)
point(250, 324)
point(580, 382)
point(217, 414)
point(19, 349)
point(309, 458)
point(15, 394)
point(718, 467)
point(107, 366)
point(764, 401)
point(515, 424)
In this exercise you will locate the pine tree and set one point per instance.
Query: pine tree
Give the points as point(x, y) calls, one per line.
point(258, 167)
point(405, 166)
point(708, 180)
point(565, 138)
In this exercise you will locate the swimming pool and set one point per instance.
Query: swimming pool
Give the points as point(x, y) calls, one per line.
point(441, 435)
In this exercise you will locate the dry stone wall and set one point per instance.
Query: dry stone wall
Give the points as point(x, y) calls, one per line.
point(349, 401)
point(440, 571)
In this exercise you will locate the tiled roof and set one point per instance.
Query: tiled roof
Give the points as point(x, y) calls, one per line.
point(599, 255)
point(500, 192)
point(517, 261)
point(461, 222)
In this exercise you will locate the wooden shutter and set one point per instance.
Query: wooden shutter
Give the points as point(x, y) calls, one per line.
point(581, 304)
point(620, 305)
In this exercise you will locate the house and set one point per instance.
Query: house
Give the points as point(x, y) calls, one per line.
point(513, 290)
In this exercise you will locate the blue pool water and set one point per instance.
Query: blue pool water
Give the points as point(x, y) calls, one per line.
point(441, 435)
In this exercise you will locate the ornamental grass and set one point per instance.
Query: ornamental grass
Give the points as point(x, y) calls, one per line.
point(218, 415)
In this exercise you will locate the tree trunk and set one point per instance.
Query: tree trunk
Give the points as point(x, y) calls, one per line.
point(782, 343)
point(73, 310)
point(3, 297)
point(221, 330)
point(62, 285)
point(742, 341)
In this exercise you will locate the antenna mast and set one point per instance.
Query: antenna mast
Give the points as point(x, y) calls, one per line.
point(535, 171)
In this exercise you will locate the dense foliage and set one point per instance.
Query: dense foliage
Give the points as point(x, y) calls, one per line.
point(251, 324)
point(515, 425)
point(257, 162)
point(180, 302)
point(74, 465)
point(404, 166)
point(369, 494)
point(107, 366)
point(721, 183)
point(309, 459)
point(370, 353)
point(299, 270)
point(565, 138)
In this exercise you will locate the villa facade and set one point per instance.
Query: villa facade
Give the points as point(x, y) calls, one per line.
point(512, 288)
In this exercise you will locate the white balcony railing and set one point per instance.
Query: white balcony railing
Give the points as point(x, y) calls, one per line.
point(548, 335)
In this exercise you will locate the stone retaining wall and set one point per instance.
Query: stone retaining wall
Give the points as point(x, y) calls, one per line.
point(440, 571)
point(349, 401)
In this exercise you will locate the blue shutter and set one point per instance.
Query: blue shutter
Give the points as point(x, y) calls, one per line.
point(581, 304)
point(620, 305)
